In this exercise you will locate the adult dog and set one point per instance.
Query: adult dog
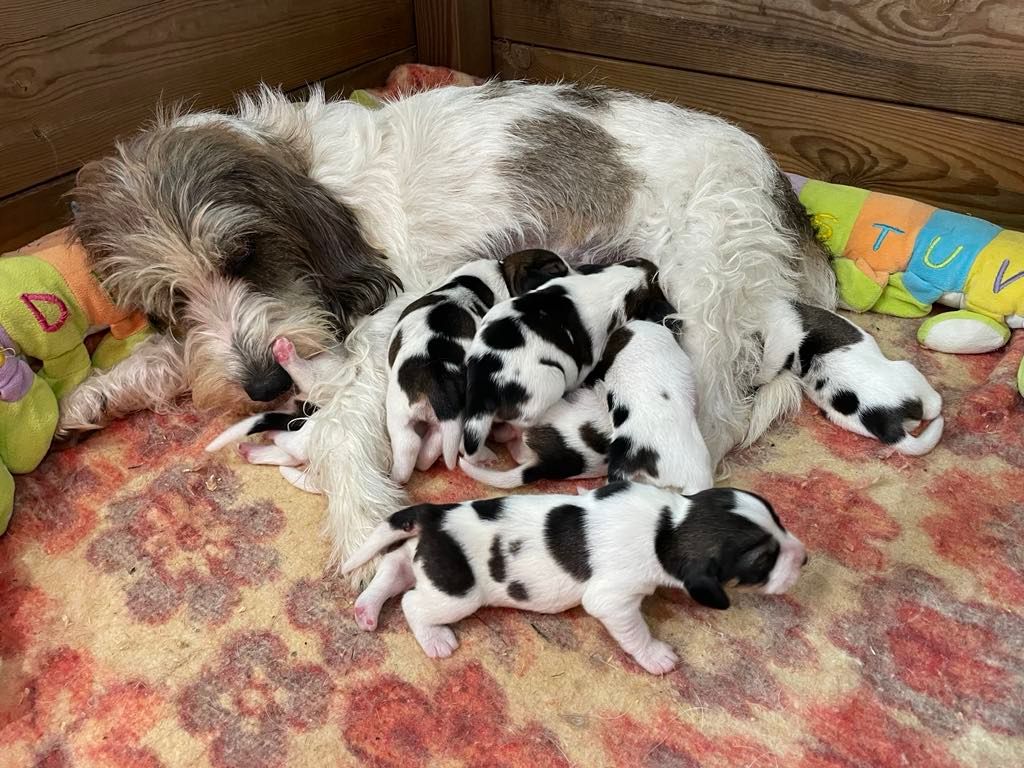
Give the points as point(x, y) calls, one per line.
point(302, 219)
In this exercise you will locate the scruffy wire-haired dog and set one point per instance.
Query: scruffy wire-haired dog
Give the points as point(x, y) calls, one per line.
point(844, 373)
point(427, 355)
point(605, 550)
point(300, 219)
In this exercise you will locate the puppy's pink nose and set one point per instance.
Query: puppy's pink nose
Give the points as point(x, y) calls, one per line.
point(284, 350)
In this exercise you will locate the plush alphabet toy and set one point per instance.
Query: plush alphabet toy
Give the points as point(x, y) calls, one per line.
point(49, 303)
point(899, 257)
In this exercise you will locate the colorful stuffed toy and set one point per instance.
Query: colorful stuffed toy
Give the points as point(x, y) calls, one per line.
point(899, 257)
point(49, 303)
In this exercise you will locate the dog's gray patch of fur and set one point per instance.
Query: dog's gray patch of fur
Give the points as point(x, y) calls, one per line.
point(593, 97)
point(796, 221)
point(571, 171)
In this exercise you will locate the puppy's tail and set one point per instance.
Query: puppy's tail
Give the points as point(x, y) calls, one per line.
point(282, 421)
point(776, 400)
point(474, 434)
point(498, 478)
point(403, 524)
point(923, 443)
point(451, 439)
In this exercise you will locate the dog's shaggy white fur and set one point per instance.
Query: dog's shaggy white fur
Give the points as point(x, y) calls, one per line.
point(348, 198)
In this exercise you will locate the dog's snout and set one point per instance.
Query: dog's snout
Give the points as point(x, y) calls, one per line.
point(268, 385)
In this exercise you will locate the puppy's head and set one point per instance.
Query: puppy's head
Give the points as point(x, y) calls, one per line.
point(728, 537)
point(527, 270)
point(213, 226)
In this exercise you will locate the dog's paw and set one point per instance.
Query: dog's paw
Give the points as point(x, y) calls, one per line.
point(437, 642)
point(366, 617)
point(658, 658)
point(284, 351)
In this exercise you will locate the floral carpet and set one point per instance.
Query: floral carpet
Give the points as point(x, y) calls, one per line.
point(160, 606)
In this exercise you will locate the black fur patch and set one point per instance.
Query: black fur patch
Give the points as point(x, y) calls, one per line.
point(496, 563)
point(790, 359)
point(444, 561)
point(485, 394)
point(846, 402)
point(394, 348)
point(427, 300)
point(515, 546)
point(552, 315)
point(664, 395)
point(552, 364)
point(503, 334)
point(826, 332)
point(284, 421)
point(438, 376)
point(565, 533)
point(525, 271)
point(449, 319)
point(886, 423)
point(517, 591)
point(619, 415)
point(607, 491)
point(474, 284)
point(820, 384)
point(489, 509)
point(610, 400)
point(594, 438)
point(616, 343)
point(626, 461)
point(555, 459)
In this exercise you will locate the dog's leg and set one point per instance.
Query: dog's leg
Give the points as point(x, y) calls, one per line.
point(622, 618)
point(299, 478)
point(429, 612)
point(256, 453)
point(152, 377)
point(430, 448)
point(394, 576)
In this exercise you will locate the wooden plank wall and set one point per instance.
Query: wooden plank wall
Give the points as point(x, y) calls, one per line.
point(919, 99)
point(75, 75)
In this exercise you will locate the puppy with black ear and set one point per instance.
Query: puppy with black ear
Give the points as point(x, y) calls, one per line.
point(605, 550)
point(652, 397)
point(569, 442)
point(843, 372)
point(533, 349)
point(427, 354)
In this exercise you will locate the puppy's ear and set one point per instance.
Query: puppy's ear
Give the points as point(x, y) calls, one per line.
point(705, 589)
point(528, 270)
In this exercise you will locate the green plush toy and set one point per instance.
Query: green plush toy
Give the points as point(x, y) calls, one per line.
point(900, 257)
point(49, 303)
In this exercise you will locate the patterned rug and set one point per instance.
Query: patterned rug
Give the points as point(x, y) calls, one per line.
point(163, 607)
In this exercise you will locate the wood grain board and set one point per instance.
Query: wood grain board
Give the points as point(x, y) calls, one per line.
point(22, 20)
point(66, 94)
point(966, 163)
point(456, 34)
point(958, 55)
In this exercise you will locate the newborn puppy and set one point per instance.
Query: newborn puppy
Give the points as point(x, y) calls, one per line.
point(533, 349)
point(604, 550)
point(570, 441)
point(652, 398)
point(427, 352)
point(288, 446)
point(844, 373)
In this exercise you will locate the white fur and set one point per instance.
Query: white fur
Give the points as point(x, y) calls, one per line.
point(584, 406)
point(648, 368)
point(620, 540)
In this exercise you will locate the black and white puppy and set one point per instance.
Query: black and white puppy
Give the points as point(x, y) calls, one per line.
point(569, 442)
point(533, 349)
point(843, 372)
point(605, 550)
point(652, 397)
point(427, 355)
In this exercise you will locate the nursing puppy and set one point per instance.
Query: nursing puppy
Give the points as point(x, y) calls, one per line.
point(427, 354)
point(569, 442)
point(843, 372)
point(652, 398)
point(604, 550)
point(533, 349)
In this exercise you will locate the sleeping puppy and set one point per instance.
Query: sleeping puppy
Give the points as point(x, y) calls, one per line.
point(569, 442)
point(844, 373)
point(604, 550)
point(652, 398)
point(533, 349)
point(288, 441)
point(427, 353)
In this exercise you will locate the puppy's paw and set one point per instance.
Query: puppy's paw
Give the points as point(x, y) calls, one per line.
point(437, 642)
point(658, 658)
point(284, 351)
point(366, 617)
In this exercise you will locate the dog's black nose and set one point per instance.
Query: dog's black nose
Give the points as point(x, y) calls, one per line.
point(268, 385)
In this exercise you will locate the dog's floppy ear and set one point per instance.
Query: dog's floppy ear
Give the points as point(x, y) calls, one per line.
point(705, 588)
point(528, 270)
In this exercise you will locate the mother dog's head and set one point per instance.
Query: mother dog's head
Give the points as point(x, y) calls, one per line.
point(213, 225)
